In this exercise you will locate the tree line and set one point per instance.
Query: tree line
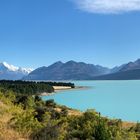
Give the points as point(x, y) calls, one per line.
point(31, 87)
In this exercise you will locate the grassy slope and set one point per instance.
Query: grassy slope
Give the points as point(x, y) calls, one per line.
point(8, 110)
point(7, 132)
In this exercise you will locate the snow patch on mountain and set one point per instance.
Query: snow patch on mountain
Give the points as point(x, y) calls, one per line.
point(11, 72)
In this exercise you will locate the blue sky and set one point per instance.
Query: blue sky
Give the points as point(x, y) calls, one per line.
point(34, 33)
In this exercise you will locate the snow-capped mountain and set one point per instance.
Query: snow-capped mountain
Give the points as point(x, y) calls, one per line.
point(10, 72)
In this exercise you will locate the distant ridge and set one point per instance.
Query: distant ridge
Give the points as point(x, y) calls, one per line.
point(70, 70)
point(124, 75)
point(129, 71)
point(131, 66)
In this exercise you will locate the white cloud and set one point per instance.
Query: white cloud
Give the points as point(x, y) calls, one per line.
point(108, 6)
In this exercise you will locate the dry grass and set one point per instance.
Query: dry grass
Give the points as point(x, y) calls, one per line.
point(71, 112)
point(6, 132)
point(126, 125)
point(74, 113)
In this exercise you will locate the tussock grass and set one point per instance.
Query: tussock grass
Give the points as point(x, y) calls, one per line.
point(7, 109)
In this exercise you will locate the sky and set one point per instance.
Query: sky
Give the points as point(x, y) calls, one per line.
point(36, 33)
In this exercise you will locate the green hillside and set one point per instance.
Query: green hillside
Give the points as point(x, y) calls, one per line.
point(29, 118)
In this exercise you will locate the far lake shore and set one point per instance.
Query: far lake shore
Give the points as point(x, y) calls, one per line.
point(62, 88)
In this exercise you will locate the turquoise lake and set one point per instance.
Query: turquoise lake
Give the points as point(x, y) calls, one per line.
point(115, 99)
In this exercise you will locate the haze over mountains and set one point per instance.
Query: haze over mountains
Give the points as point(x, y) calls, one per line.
point(72, 70)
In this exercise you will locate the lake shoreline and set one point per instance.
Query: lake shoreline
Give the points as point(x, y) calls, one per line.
point(111, 98)
point(63, 88)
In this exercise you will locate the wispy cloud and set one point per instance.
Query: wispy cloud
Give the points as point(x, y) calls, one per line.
point(108, 6)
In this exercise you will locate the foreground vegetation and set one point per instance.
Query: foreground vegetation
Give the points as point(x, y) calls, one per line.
point(30, 87)
point(30, 118)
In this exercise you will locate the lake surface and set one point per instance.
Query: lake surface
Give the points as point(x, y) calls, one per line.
point(115, 99)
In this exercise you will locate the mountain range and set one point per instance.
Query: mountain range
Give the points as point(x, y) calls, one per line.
point(10, 72)
point(129, 71)
point(72, 70)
